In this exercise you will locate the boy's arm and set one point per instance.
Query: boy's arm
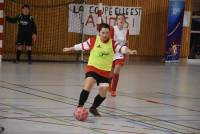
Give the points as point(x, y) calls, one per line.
point(34, 29)
point(12, 19)
point(124, 49)
point(87, 45)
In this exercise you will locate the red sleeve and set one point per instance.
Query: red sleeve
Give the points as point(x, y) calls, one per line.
point(112, 32)
point(113, 45)
point(92, 42)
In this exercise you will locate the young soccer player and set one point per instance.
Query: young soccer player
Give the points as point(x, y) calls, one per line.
point(119, 33)
point(102, 49)
point(26, 32)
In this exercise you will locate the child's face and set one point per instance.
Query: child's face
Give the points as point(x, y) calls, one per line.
point(104, 34)
point(25, 11)
point(120, 20)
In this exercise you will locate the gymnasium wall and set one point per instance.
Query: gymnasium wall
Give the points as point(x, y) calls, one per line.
point(51, 17)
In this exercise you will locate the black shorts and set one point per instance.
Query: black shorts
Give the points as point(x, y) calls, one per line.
point(97, 77)
point(24, 40)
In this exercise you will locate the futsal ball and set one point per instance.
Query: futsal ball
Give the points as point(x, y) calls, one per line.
point(81, 114)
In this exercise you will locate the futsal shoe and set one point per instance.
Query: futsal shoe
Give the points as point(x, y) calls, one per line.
point(95, 112)
point(113, 93)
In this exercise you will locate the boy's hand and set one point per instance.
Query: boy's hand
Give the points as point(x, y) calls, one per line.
point(133, 52)
point(34, 37)
point(66, 49)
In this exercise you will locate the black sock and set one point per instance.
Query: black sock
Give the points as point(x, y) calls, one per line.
point(83, 97)
point(18, 54)
point(29, 53)
point(97, 101)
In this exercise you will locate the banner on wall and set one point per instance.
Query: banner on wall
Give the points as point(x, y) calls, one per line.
point(175, 26)
point(88, 15)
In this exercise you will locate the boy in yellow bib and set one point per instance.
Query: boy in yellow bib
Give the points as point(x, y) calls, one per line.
point(102, 49)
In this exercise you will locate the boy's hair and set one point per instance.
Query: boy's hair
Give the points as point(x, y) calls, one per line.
point(120, 15)
point(26, 6)
point(103, 25)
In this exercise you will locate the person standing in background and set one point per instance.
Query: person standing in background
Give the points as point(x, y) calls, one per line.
point(27, 33)
point(119, 33)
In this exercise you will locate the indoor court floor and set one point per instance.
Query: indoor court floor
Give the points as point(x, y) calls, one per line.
point(152, 98)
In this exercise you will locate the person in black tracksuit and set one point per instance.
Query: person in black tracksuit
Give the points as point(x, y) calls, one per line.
point(27, 32)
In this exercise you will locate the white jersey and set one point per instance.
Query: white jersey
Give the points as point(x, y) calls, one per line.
point(120, 36)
